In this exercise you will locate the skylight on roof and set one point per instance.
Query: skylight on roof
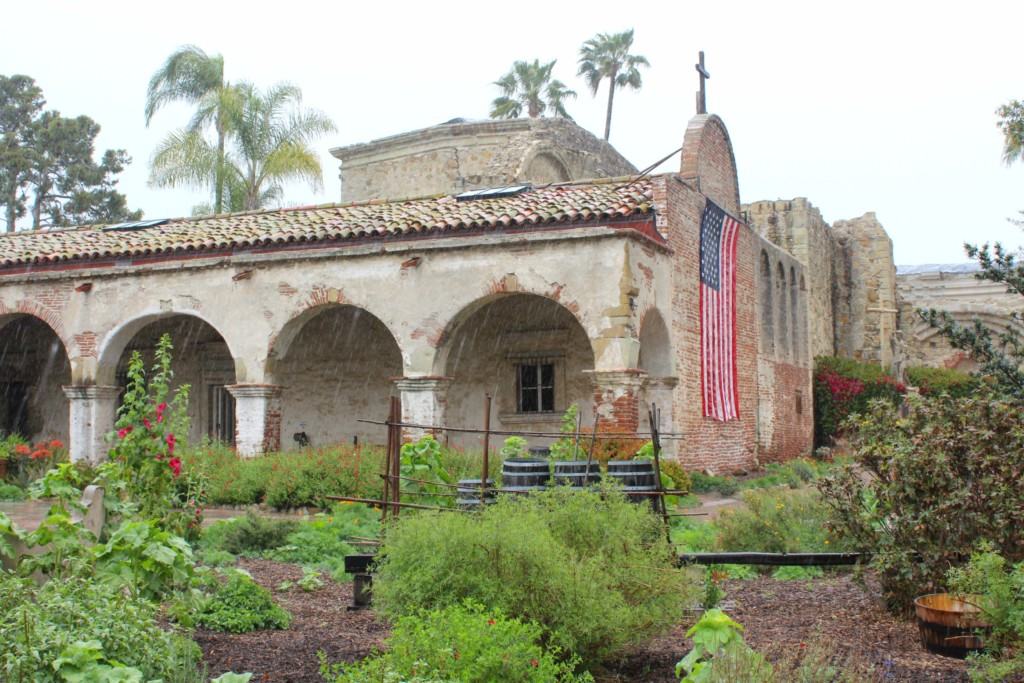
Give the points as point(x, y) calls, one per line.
point(492, 193)
point(136, 225)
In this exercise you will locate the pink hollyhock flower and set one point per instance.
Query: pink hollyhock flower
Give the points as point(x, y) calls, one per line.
point(175, 465)
point(170, 444)
point(160, 412)
point(146, 422)
point(124, 431)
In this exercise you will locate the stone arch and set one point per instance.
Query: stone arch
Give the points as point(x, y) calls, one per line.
point(528, 351)
point(34, 367)
point(656, 357)
point(709, 163)
point(766, 289)
point(336, 364)
point(795, 316)
point(544, 166)
point(782, 296)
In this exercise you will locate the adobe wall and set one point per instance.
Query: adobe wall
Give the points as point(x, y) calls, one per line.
point(455, 157)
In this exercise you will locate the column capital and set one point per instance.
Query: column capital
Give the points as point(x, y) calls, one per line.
point(661, 382)
point(82, 392)
point(630, 377)
point(254, 390)
point(427, 383)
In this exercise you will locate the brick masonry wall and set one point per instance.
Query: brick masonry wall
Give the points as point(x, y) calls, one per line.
point(710, 445)
point(785, 427)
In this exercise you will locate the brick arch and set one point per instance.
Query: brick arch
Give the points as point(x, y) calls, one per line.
point(281, 342)
point(114, 342)
point(765, 289)
point(498, 289)
point(543, 156)
point(709, 163)
point(53, 320)
point(785, 332)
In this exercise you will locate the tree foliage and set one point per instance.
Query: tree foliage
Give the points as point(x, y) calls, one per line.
point(47, 163)
point(529, 86)
point(269, 142)
point(1011, 124)
point(606, 56)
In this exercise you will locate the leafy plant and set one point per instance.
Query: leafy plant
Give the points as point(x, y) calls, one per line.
point(923, 489)
point(11, 492)
point(777, 520)
point(421, 465)
point(997, 587)
point(240, 605)
point(41, 624)
point(712, 633)
point(464, 642)
point(146, 560)
point(936, 381)
point(249, 535)
point(85, 662)
point(514, 447)
point(797, 573)
point(592, 570)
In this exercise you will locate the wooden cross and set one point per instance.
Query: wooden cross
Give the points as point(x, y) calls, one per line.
point(702, 105)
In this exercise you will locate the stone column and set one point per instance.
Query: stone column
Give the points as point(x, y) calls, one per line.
point(660, 391)
point(424, 401)
point(257, 418)
point(617, 398)
point(92, 412)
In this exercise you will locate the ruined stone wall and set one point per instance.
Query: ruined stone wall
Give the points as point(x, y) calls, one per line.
point(956, 290)
point(456, 157)
point(864, 291)
point(797, 226)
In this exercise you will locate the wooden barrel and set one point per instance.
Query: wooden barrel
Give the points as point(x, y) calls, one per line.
point(524, 474)
point(577, 473)
point(540, 452)
point(635, 477)
point(469, 493)
point(949, 625)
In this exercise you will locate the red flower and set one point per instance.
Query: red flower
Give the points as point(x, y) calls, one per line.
point(56, 443)
point(160, 412)
point(534, 663)
point(175, 466)
point(146, 422)
point(22, 449)
point(170, 444)
point(124, 431)
point(490, 622)
point(40, 455)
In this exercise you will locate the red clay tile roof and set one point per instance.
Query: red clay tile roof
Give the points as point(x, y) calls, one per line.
point(588, 202)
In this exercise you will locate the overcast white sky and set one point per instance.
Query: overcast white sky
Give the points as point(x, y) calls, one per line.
point(868, 106)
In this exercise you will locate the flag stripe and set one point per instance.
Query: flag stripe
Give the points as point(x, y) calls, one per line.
point(719, 381)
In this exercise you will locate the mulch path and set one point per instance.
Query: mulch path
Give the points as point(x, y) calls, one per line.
point(778, 616)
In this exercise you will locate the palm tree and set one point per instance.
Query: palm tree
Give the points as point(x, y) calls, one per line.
point(192, 76)
point(270, 143)
point(530, 86)
point(1011, 123)
point(606, 55)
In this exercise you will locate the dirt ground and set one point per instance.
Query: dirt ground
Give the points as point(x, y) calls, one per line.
point(779, 616)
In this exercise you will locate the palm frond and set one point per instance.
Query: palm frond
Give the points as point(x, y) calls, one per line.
point(183, 158)
point(187, 75)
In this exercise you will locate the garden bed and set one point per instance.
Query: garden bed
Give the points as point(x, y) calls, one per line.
point(779, 616)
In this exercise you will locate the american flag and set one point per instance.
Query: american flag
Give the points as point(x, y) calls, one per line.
point(719, 395)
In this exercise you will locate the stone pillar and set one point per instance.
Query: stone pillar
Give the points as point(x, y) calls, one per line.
point(92, 412)
point(661, 392)
point(257, 418)
point(617, 398)
point(424, 401)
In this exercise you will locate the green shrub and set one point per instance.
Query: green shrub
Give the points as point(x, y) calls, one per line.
point(249, 535)
point(240, 605)
point(997, 587)
point(680, 478)
point(465, 643)
point(11, 492)
point(286, 480)
point(923, 489)
point(936, 381)
point(777, 520)
point(320, 542)
point(797, 573)
point(217, 558)
point(842, 387)
point(595, 573)
point(38, 623)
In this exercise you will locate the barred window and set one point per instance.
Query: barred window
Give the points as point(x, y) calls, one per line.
point(222, 414)
point(535, 387)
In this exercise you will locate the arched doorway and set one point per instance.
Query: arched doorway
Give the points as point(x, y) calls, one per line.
point(529, 353)
point(201, 359)
point(335, 364)
point(656, 361)
point(34, 368)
